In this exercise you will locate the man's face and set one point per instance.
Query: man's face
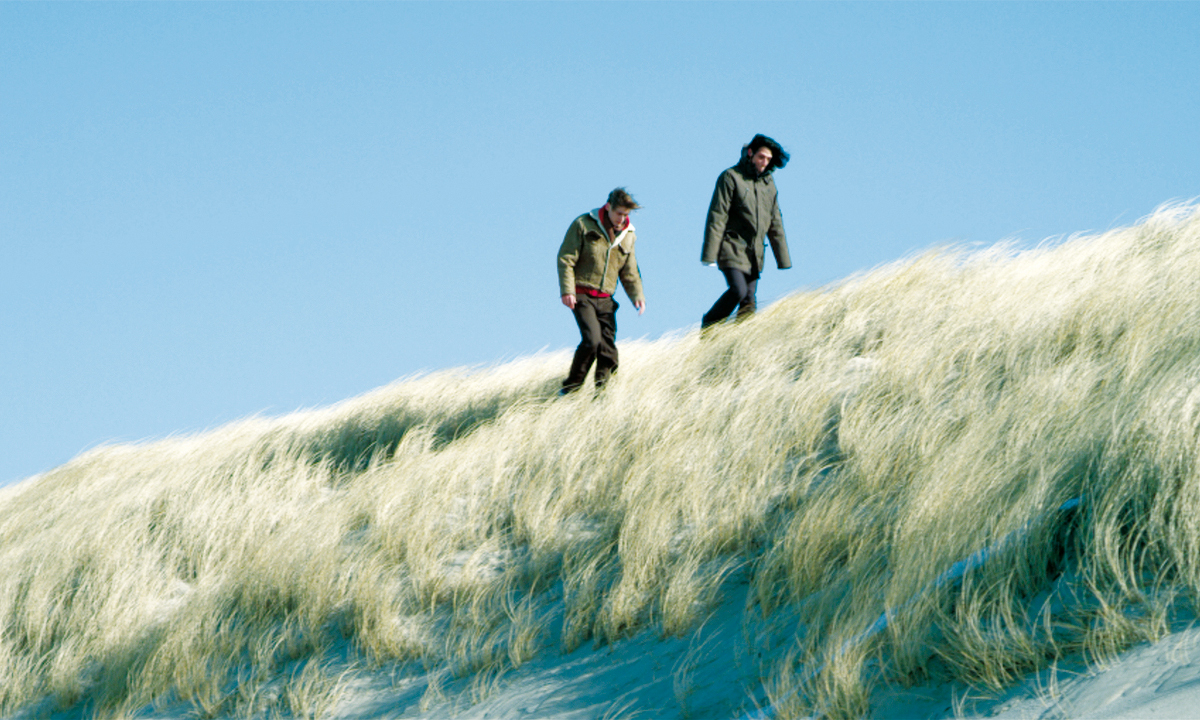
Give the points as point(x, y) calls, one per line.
point(618, 215)
point(761, 159)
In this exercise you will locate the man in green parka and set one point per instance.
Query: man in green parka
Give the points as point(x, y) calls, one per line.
point(744, 211)
point(596, 252)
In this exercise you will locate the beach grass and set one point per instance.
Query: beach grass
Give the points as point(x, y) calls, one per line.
point(840, 451)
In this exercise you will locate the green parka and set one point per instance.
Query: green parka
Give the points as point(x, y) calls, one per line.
point(587, 258)
point(744, 210)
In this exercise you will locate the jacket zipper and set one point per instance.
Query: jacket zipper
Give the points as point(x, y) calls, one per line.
point(608, 254)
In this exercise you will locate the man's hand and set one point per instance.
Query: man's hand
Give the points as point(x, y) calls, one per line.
point(569, 301)
point(641, 306)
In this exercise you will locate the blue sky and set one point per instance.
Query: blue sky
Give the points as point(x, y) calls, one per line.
point(213, 210)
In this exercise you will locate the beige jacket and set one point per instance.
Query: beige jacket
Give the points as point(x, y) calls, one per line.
point(589, 258)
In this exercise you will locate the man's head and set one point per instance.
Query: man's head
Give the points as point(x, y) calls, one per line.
point(765, 154)
point(620, 204)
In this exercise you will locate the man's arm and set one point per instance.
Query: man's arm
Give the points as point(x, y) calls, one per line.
point(718, 216)
point(631, 279)
point(778, 239)
point(568, 254)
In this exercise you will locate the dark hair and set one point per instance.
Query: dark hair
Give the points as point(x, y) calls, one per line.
point(779, 156)
point(618, 198)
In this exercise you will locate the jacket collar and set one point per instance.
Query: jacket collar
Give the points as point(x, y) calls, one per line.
point(595, 215)
point(746, 168)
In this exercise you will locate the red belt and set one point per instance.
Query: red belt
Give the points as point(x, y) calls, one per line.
point(591, 292)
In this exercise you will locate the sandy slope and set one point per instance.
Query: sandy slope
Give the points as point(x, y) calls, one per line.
point(1149, 681)
point(708, 674)
point(713, 674)
point(716, 673)
point(637, 678)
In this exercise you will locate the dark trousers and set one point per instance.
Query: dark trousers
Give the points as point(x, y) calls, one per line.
point(597, 320)
point(740, 295)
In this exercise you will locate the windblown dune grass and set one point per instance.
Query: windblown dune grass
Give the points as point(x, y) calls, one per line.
point(841, 450)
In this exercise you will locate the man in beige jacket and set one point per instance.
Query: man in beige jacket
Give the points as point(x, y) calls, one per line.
point(596, 252)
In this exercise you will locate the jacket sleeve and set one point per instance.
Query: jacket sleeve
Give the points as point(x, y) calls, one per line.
point(568, 253)
point(631, 277)
point(778, 239)
point(718, 216)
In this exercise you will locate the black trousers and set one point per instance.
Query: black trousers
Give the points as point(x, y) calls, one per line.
point(740, 295)
point(597, 320)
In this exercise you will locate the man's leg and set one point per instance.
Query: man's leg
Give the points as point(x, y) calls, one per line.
point(749, 302)
point(590, 335)
point(733, 297)
point(606, 349)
